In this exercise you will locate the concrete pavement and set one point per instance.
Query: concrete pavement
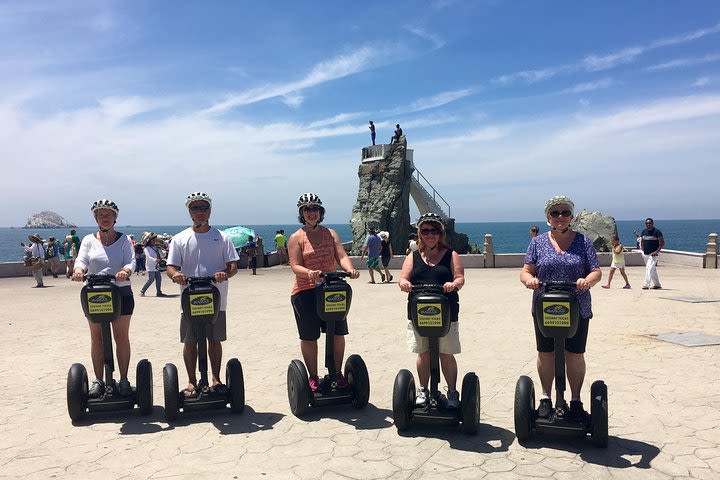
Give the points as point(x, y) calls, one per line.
point(663, 398)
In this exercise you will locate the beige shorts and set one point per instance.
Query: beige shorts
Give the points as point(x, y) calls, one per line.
point(449, 344)
point(617, 265)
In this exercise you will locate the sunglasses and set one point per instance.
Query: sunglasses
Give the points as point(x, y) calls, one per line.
point(430, 231)
point(564, 213)
point(312, 208)
point(200, 208)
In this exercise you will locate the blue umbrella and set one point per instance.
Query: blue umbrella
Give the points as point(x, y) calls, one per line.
point(239, 235)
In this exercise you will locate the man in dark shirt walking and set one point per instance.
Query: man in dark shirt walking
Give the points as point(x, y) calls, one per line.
point(651, 242)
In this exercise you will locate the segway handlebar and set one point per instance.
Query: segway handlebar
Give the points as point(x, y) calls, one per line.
point(98, 278)
point(428, 287)
point(558, 285)
point(330, 276)
point(201, 280)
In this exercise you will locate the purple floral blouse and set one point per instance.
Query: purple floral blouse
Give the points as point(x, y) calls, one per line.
point(577, 262)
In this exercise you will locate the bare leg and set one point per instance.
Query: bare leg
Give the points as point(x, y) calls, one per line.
point(575, 372)
point(190, 352)
point(422, 363)
point(612, 272)
point(121, 333)
point(96, 349)
point(215, 354)
point(546, 371)
point(624, 275)
point(448, 364)
point(339, 351)
point(309, 349)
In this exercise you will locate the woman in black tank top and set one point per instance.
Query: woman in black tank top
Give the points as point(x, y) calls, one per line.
point(435, 263)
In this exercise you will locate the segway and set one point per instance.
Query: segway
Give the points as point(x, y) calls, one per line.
point(100, 299)
point(557, 313)
point(430, 314)
point(333, 299)
point(201, 306)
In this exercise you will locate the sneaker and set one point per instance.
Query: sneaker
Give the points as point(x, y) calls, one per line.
point(576, 412)
point(545, 408)
point(422, 397)
point(314, 383)
point(340, 381)
point(96, 389)
point(453, 399)
point(645, 287)
point(657, 287)
point(124, 388)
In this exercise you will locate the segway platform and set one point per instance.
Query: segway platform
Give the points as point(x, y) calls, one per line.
point(430, 315)
point(100, 300)
point(557, 313)
point(201, 307)
point(332, 301)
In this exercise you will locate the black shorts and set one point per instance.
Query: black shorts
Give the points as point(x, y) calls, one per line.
point(575, 344)
point(127, 301)
point(308, 321)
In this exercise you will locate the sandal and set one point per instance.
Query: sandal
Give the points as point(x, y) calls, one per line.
point(220, 388)
point(190, 392)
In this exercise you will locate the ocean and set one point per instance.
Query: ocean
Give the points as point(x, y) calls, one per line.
point(508, 237)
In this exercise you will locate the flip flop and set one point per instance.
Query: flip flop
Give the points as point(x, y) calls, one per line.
point(190, 392)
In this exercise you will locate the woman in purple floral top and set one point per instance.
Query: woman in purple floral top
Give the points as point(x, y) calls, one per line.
point(568, 256)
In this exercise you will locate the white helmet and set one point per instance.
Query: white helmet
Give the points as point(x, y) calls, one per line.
point(309, 199)
point(106, 204)
point(198, 197)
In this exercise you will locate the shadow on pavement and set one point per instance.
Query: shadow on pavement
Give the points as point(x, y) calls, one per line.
point(489, 438)
point(228, 423)
point(132, 422)
point(368, 418)
point(620, 452)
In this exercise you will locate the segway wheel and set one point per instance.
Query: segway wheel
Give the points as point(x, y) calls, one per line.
point(599, 414)
point(298, 388)
point(524, 408)
point(236, 385)
point(357, 376)
point(403, 400)
point(143, 377)
point(77, 388)
point(170, 389)
point(470, 405)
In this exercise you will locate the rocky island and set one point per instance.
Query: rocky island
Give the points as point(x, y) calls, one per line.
point(47, 219)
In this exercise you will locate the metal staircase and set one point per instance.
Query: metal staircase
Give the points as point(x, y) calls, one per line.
point(427, 202)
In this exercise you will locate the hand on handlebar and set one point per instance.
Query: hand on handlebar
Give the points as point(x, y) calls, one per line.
point(220, 277)
point(180, 279)
point(121, 276)
point(314, 275)
point(583, 284)
point(449, 287)
point(354, 273)
point(533, 283)
point(405, 285)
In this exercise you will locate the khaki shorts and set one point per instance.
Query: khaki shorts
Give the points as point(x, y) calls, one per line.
point(449, 344)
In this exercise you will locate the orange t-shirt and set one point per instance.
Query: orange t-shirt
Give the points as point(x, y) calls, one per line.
point(317, 255)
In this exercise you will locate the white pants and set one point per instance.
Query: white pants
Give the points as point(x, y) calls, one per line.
point(651, 270)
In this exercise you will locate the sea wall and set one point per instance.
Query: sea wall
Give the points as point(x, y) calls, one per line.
point(482, 260)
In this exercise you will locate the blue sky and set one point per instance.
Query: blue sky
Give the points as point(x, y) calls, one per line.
point(505, 103)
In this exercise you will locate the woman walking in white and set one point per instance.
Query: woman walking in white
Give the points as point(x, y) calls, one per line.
point(152, 258)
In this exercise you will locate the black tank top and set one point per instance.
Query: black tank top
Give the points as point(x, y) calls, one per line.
point(439, 274)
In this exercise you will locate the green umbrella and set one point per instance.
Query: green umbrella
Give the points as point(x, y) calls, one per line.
point(239, 235)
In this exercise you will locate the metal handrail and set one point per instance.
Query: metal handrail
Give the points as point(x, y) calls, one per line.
point(435, 192)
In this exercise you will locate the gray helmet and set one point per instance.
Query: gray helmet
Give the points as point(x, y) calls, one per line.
point(430, 217)
point(557, 200)
point(198, 197)
point(105, 204)
point(308, 199)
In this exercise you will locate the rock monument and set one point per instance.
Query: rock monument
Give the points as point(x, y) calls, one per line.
point(47, 219)
point(597, 227)
point(383, 201)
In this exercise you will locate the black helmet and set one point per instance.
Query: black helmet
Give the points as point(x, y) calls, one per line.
point(308, 199)
point(105, 204)
point(430, 217)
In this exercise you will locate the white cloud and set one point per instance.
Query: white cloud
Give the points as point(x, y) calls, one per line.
point(589, 86)
point(594, 63)
point(433, 38)
point(701, 82)
point(685, 62)
point(438, 100)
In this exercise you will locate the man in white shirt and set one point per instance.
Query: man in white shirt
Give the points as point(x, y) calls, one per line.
point(202, 250)
point(37, 253)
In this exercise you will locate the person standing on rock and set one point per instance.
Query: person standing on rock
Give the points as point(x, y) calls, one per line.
point(372, 132)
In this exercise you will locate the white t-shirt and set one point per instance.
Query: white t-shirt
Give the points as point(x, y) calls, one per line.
point(151, 254)
point(99, 259)
point(203, 255)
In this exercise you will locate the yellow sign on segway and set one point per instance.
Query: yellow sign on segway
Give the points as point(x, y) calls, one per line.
point(201, 304)
point(335, 302)
point(429, 315)
point(556, 314)
point(99, 302)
